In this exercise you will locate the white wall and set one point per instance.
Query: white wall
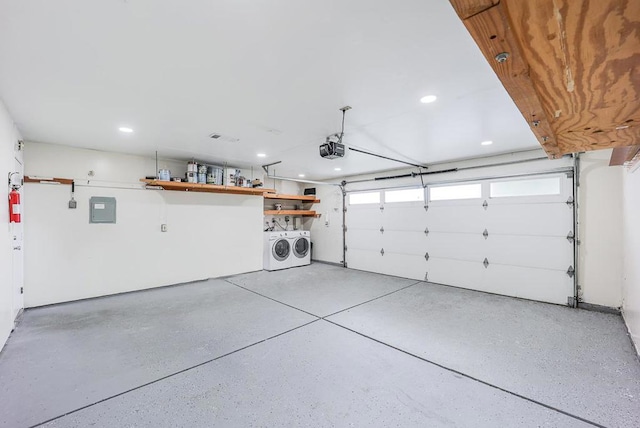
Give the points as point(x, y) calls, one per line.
point(631, 261)
point(326, 231)
point(600, 216)
point(66, 258)
point(8, 138)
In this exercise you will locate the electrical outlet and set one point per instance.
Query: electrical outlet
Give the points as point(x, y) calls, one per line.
point(163, 227)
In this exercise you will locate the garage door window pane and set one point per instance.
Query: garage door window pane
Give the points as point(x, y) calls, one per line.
point(535, 187)
point(404, 195)
point(364, 198)
point(462, 191)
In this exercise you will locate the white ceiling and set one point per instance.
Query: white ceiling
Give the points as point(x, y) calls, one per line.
point(271, 73)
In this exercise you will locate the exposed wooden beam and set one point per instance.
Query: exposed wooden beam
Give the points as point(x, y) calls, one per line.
point(575, 65)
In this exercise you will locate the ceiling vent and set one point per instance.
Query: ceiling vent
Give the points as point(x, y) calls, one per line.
point(223, 138)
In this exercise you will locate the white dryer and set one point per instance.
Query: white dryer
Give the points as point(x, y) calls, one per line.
point(277, 250)
point(300, 241)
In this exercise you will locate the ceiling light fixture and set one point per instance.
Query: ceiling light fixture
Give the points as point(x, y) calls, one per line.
point(301, 175)
point(428, 99)
point(125, 130)
point(337, 169)
point(262, 155)
point(486, 143)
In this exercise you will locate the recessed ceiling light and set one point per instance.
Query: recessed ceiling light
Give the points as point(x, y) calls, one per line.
point(486, 143)
point(337, 169)
point(125, 130)
point(301, 175)
point(262, 155)
point(428, 99)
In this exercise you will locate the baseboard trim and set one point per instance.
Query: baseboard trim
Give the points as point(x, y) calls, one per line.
point(599, 308)
point(327, 263)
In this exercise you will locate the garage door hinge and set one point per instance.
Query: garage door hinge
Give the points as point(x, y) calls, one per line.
point(426, 256)
point(381, 207)
point(571, 271)
point(382, 229)
point(344, 210)
point(485, 263)
point(345, 248)
point(426, 231)
point(382, 252)
point(485, 204)
point(485, 234)
point(344, 227)
point(426, 207)
point(570, 237)
point(21, 290)
point(570, 201)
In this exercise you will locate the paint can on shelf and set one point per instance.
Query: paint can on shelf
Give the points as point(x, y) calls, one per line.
point(164, 175)
point(192, 177)
point(192, 166)
point(202, 173)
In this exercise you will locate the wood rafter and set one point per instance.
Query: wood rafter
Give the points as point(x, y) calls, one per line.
point(573, 68)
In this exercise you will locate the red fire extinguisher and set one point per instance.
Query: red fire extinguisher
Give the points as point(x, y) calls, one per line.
point(14, 206)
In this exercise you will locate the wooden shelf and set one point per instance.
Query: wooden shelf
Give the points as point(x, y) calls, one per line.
point(209, 188)
point(47, 180)
point(304, 198)
point(302, 213)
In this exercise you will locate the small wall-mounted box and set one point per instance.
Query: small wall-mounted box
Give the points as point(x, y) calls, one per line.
point(102, 209)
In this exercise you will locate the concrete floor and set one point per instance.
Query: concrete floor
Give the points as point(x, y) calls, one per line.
point(317, 346)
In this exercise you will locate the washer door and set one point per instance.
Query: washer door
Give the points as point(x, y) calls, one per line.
point(301, 247)
point(281, 250)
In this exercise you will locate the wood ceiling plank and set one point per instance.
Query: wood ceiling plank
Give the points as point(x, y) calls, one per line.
point(585, 141)
point(490, 29)
point(584, 60)
point(622, 155)
point(468, 8)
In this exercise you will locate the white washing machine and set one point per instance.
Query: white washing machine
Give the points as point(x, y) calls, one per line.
point(277, 250)
point(300, 241)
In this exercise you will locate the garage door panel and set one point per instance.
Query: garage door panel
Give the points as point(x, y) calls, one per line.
point(552, 219)
point(364, 239)
point(467, 219)
point(362, 218)
point(529, 283)
point(550, 252)
point(405, 242)
point(365, 260)
point(404, 217)
point(403, 265)
point(460, 246)
point(459, 273)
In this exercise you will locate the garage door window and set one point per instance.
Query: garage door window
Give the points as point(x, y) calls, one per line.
point(531, 187)
point(453, 192)
point(404, 195)
point(362, 198)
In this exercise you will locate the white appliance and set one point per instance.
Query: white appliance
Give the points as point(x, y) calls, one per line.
point(277, 250)
point(300, 241)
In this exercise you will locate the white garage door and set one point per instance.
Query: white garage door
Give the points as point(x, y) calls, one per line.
point(511, 236)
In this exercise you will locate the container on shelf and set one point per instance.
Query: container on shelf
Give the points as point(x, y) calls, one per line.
point(164, 175)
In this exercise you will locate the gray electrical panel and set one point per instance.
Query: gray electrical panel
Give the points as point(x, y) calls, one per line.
point(102, 209)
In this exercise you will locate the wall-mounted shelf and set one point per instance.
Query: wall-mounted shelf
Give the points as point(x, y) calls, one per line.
point(303, 198)
point(47, 180)
point(209, 188)
point(302, 213)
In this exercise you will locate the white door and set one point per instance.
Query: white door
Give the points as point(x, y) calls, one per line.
point(510, 236)
point(17, 273)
